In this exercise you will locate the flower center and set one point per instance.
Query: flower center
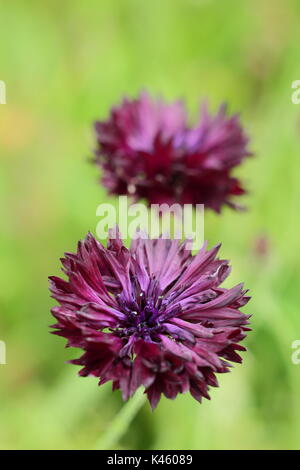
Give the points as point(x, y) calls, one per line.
point(142, 319)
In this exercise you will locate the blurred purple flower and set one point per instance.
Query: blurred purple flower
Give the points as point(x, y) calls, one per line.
point(147, 150)
point(152, 316)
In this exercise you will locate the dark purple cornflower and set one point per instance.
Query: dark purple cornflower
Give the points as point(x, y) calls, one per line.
point(152, 316)
point(147, 150)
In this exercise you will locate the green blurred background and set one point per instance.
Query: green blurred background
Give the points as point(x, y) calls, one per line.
point(65, 64)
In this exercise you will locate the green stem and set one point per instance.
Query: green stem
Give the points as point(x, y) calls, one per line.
point(122, 421)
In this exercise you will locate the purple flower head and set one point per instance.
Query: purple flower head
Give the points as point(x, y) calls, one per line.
point(147, 150)
point(152, 316)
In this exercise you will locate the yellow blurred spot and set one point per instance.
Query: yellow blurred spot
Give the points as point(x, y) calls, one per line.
point(17, 128)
